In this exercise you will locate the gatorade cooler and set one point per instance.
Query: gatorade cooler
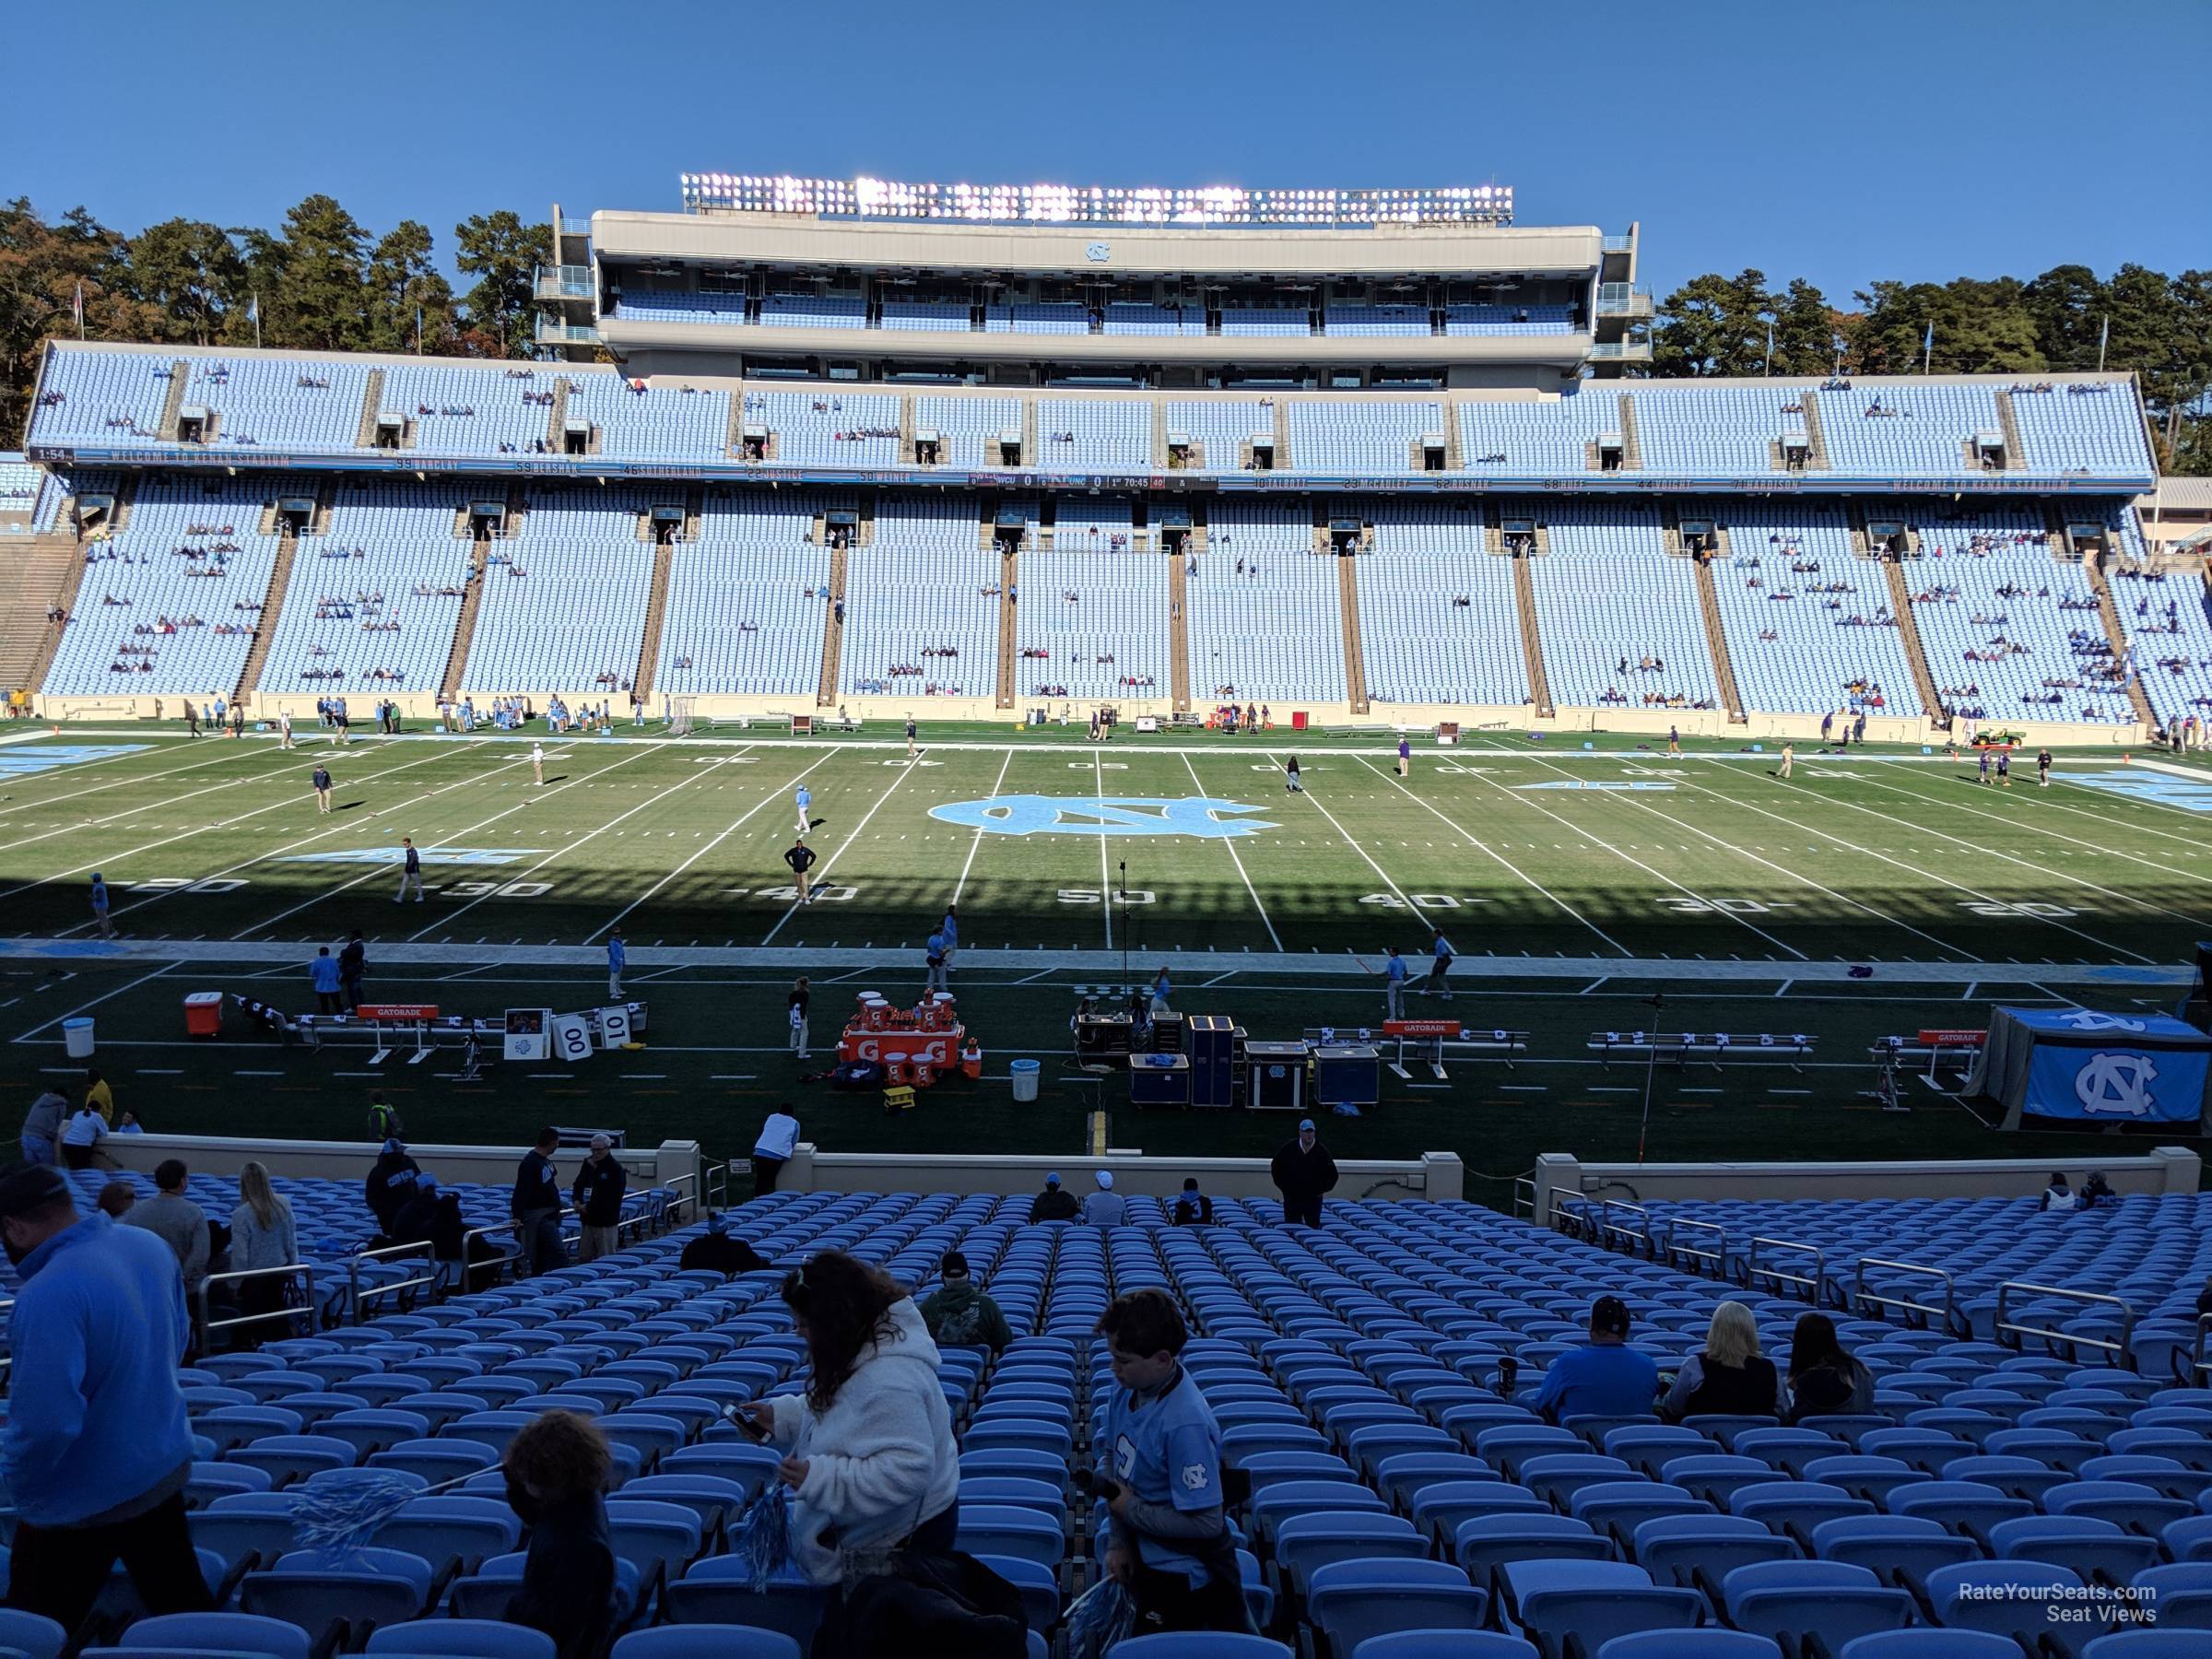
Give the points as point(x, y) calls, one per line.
point(204, 1014)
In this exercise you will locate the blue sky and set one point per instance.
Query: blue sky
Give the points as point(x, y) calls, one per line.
point(1839, 143)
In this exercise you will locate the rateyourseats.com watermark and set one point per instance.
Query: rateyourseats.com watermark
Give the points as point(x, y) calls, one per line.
point(2056, 1603)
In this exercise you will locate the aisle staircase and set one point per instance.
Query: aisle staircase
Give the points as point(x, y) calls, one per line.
point(1908, 628)
point(39, 573)
point(1179, 633)
point(833, 632)
point(265, 622)
point(1531, 645)
point(656, 623)
point(1009, 573)
point(1815, 434)
point(1716, 638)
point(465, 629)
point(2108, 611)
point(1355, 663)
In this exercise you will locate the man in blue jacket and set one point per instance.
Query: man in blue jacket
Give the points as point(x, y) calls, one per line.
point(96, 1453)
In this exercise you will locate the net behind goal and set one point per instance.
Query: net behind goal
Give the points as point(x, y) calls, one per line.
point(679, 717)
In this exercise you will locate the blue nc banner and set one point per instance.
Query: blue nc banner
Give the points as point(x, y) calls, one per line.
point(2116, 1085)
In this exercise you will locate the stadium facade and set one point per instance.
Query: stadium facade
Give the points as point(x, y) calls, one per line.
point(976, 451)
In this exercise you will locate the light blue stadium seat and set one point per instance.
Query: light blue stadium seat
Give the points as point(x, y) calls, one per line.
point(1676, 1548)
point(1789, 1600)
point(1307, 1541)
point(1922, 1643)
point(1354, 1601)
point(1690, 1644)
point(29, 1634)
point(1488, 1541)
point(2086, 1544)
point(1445, 1644)
point(220, 1632)
point(461, 1639)
point(1597, 1600)
point(706, 1641)
point(2014, 1600)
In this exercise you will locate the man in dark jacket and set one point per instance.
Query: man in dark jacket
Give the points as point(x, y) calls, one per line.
point(536, 1205)
point(1193, 1208)
point(1303, 1170)
point(353, 965)
point(390, 1184)
point(715, 1251)
point(598, 1195)
point(1053, 1205)
point(960, 1315)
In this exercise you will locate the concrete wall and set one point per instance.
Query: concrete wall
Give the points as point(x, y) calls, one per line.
point(2163, 1170)
point(1433, 1175)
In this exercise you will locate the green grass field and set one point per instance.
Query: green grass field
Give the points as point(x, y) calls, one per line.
point(1575, 884)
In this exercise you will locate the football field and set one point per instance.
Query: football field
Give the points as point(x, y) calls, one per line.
point(1873, 893)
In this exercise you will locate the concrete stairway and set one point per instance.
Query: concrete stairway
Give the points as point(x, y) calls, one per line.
point(1179, 633)
point(656, 622)
point(833, 632)
point(2016, 454)
point(1009, 573)
point(265, 626)
point(1532, 643)
point(2108, 612)
point(39, 573)
point(1916, 655)
point(1355, 663)
point(464, 629)
point(1815, 434)
point(1716, 640)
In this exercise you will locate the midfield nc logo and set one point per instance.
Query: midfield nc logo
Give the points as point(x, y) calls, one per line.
point(1094, 814)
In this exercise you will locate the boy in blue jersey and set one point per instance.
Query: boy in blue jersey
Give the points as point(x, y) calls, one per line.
point(1170, 1541)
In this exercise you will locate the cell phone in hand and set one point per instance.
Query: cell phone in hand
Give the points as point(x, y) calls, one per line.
point(745, 1424)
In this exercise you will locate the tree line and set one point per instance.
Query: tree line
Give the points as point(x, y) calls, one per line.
point(323, 281)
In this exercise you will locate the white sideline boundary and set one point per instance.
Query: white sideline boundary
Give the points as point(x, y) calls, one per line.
point(125, 953)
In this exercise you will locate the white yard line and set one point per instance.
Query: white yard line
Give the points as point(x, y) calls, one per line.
point(976, 844)
point(144, 777)
point(1230, 841)
point(1352, 841)
point(1097, 773)
point(2164, 866)
point(1514, 870)
point(843, 847)
point(72, 1013)
point(781, 789)
point(699, 775)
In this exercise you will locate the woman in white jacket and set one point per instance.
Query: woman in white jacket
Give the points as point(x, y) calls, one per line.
point(868, 1449)
point(262, 1235)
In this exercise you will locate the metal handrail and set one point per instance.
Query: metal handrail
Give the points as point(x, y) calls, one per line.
point(1717, 1256)
point(1524, 1198)
point(1606, 1227)
point(354, 1296)
point(2124, 1347)
point(677, 1184)
point(718, 1187)
point(2198, 1362)
point(1752, 1270)
point(209, 1326)
point(1861, 1299)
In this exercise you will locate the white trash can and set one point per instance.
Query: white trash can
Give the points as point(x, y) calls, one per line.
point(76, 1037)
point(1025, 1072)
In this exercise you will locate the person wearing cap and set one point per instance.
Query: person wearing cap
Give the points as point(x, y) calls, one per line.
point(1302, 1172)
point(390, 1184)
point(1105, 1208)
point(536, 1205)
point(96, 1452)
point(177, 1221)
point(717, 1250)
point(960, 1315)
point(1604, 1377)
point(597, 1196)
point(1193, 1208)
point(416, 1220)
point(42, 1127)
point(778, 1139)
point(1053, 1204)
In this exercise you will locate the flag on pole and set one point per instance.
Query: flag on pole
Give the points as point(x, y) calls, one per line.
point(418, 330)
point(254, 315)
point(77, 308)
point(2104, 338)
point(1928, 346)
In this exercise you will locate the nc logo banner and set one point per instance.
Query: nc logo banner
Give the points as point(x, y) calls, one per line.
point(1111, 814)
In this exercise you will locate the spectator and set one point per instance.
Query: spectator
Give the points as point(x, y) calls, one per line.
point(1170, 1541)
point(263, 1236)
point(178, 1221)
point(617, 958)
point(1053, 1204)
point(933, 959)
point(960, 1315)
point(95, 1451)
point(601, 1181)
point(557, 1466)
point(1161, 990)
point(116, 1198)
point(2058, 1195)
point(1105, 1208)
point(869, 1453)
point(1728, 1375)
point(1824, 1380)
point(2096, 1190)
point(42, 1127)
point(1193, 1207)
point(390, 1184)
point(353, 964)
point(1302, 1172)
point(801, 995)
point(466, 1259)
point(322, 974)
point(1604, 1377)
point(1393, 984)
point(949, 931)
point(100, 904)
point(130, 1124)
point(779, 1139)
point(81, 1137)
point(536, 1207)
point(715, 1251)
point(383, 1119)
point(417, 1218)
point(98, 1095)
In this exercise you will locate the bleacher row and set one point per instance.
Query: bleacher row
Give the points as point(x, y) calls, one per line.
point(169, 604)
point(1401, 1504)
point(1876, 429)
point(780, 310)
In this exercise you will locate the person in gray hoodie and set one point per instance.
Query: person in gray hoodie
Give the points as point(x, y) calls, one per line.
point(178, 1222)
point(42, 1127)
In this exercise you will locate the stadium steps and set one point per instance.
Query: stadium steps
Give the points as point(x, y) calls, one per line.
point(558, 416)
point(1283, 457)
point(906, 415)
point(2108, 612)
point(264, 623)
point(656, 621)
point(1916, 655)
point(1813, 433)
point(180, 372)
point(1009, 573)
point(1631, 446)
point(833, 631)
point(1355, 664)
point(1030, 452)
point(1179, 634)
point(1159, 435)
point(2015, 453)
point(1716, 637)
point(1455, 451)
point(372, 403)
point(464, 629)
point(41, 573)
point(1532, 643)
